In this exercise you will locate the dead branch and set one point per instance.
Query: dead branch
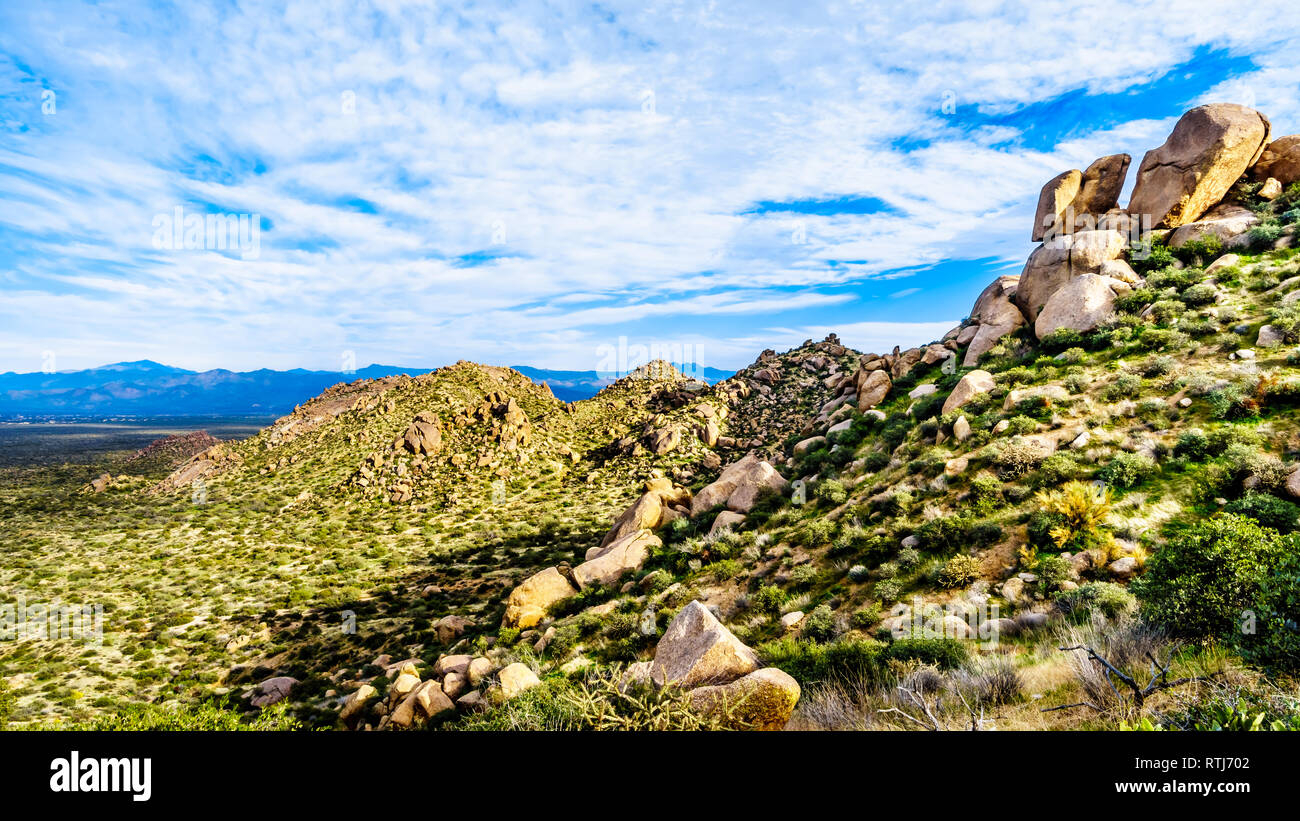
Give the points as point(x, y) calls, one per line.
point(1159, 680)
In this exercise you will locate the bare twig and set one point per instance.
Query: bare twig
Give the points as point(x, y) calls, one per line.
point(1159, 679)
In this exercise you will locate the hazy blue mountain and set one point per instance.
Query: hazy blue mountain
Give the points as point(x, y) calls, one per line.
point(151, 389)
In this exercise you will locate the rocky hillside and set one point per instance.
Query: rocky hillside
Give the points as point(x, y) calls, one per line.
point(1102, 456)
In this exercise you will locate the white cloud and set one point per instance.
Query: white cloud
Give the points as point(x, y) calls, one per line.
point(607, 157)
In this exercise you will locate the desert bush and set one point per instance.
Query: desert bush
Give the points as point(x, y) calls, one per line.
point(1127, 470)
point(1162, 339)
point(217, 714)
point(1074, 516)
point(1207, 575)
point(1269, 511)
point(1276, 641)
point(819, 625)
point(986, 492)
point(831, 491)
point(768, 599)
point(1175, 278)
point(1165, 311)
point(1015, 457)
point(1128, 645)
point(888, 590)
point(866, 616)
point(803, 576)
point(1287, 322)
point(1019, 425)
point(1052, 571)
point(959, 571)
point(597, 702)
point(1233, 401)
point(1193, 445)
point(7, 700)
point(1125, 386)
point(1058, 469)
point(1154, 366)
point(1200, 295)
point(810, 662)
point(945, 654)
point(990, 682)
point(1106, 598)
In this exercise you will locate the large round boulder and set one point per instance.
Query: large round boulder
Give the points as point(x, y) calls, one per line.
point(611, 563)
point(1056, 262)
point(528, 603)
point(996, 314)
point(762, 700)
point(1081, 305)
point(1226, 221)
point(697, 649)
point(1209, 149)
point(1280, 160)
point(968, 387)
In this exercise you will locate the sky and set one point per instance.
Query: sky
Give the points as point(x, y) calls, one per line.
point(541, 183)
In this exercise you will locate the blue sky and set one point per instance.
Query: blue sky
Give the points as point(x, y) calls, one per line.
point(526, 183)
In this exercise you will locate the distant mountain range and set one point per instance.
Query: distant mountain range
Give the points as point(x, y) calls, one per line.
point(150, 389)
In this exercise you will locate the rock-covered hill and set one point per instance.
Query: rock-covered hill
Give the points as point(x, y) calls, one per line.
point(1102, 455)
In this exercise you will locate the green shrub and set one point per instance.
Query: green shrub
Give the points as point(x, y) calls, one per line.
point(1263, 236)
point(819, 625)
point(1162, 339)
point(1192, 444)
point(768, 599)
point(1156, 258)
point(1234, 401)
point(831, 491)
point(1060, 340)
point(803, 576)
point(1200, 251)
point(866, 616)
point(1125, 386)
point(1107, 598)
point(959, 571)
point(221, 715)
point(1207, 575)
point(985, 492)
point(849, 660)
point(1200, 295)
point(1020, 425)
point(1276, 642)
point(946, 654)
point(1058, 469)
point(7, 701)
point(1127, 470)
point(1165, 311)
point(1287, 322)
point(1015, 457)
point(1269, 511)
point(1052, 570)
point(1136, 300)
point(888, 590)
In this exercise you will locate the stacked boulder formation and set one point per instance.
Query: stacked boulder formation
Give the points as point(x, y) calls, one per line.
point(1182, 193)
